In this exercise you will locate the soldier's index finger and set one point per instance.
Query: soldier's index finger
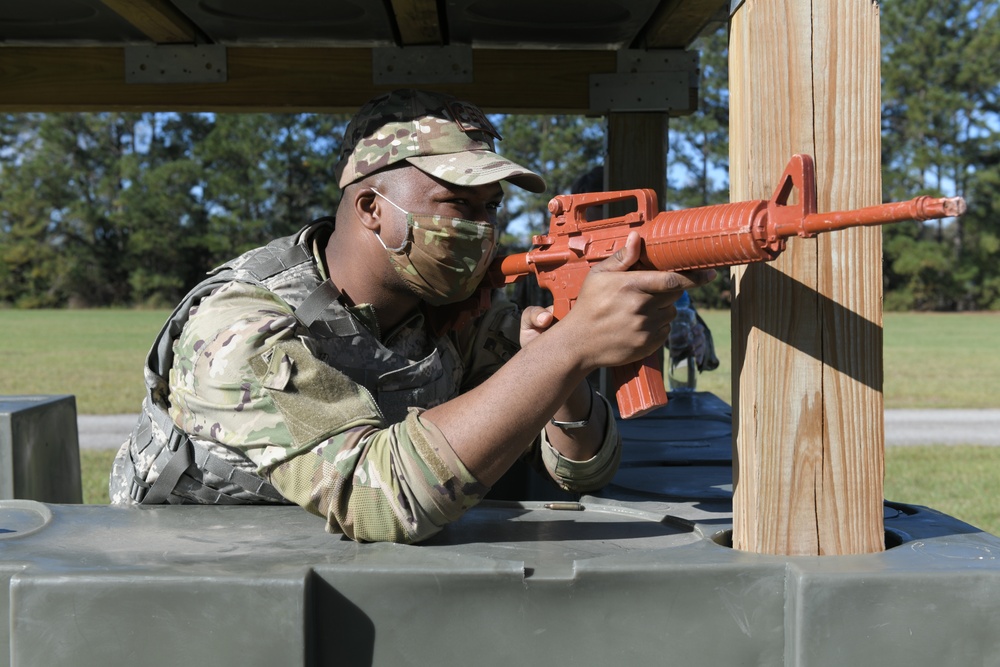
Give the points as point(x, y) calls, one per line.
point(655, 282)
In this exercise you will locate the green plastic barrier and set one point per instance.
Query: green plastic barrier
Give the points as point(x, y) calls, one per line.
point(642, 575)
point(39, 449)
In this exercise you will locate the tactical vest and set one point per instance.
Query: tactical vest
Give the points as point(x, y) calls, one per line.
point(160, 464)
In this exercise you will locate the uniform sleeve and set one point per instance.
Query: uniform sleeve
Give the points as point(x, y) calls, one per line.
point(400, 484)
point(589, 475)
point(485, 348)
point(245, 376)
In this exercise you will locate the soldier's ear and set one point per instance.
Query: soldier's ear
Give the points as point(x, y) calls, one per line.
point(367, 208)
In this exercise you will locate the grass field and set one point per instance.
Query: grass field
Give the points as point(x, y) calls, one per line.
point(958, 480)
point(931, 361)
point(97, 355)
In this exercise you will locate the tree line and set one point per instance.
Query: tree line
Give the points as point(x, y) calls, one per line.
point(131, 209)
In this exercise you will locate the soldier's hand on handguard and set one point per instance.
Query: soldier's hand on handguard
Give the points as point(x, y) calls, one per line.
point(620, 315)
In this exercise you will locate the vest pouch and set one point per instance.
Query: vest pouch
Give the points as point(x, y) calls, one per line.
point(423, 384)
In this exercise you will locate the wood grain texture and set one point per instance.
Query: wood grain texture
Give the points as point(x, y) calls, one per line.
point(637, 152)
point(156, 19)
point(288, 79)
point(809, 436)
point(417, 21)
point(674, 21)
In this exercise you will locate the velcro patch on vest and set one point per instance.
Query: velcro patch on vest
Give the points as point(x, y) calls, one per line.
point(317, 401)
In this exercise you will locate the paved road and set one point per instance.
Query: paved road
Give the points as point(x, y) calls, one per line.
point(902, 427)
point(942, 427)
point(104, 431)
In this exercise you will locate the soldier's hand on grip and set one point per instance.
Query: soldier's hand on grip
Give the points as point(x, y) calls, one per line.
point(624, 315)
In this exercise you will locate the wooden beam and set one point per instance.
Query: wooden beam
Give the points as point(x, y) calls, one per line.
point(156, 19)
point(807, 328)
point(676, 23)
point(418, 22)
point(278, 79)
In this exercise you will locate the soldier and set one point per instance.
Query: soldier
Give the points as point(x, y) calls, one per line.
point(313, 370)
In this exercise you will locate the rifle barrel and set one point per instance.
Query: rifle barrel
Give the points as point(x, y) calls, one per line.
point(918, 208)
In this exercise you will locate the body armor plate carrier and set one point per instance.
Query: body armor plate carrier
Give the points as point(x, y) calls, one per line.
point(184, 471)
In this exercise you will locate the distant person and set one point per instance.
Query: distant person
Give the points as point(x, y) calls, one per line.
point(307, 371)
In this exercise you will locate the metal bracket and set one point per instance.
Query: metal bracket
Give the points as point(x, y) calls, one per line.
point(659, 80)
point(421, 64)
point(175, 63)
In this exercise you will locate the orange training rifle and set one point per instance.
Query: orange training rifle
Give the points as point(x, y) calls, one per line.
point(698, 238)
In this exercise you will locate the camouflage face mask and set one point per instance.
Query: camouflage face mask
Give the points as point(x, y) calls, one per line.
point(442, 259)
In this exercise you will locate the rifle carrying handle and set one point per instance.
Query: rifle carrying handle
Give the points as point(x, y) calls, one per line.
point(639, 387)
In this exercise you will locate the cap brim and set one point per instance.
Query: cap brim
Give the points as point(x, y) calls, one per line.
point(477, 168)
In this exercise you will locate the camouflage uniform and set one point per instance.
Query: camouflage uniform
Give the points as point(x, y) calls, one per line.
point(263, 387)
point(333, 419)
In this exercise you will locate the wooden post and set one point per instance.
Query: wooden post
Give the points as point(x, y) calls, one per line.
point(637, 152)
point(636, 158)
point(807, 328)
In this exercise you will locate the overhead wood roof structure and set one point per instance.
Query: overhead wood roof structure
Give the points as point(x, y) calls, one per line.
point(332, 55)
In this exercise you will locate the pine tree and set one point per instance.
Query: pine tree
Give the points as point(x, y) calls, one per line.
point(561, 149)
point(698, 160)
point(941, 136)
point(118, 209)
point(267, 175)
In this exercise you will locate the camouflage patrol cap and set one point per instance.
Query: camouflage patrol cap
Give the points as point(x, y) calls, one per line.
point(436, 133)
